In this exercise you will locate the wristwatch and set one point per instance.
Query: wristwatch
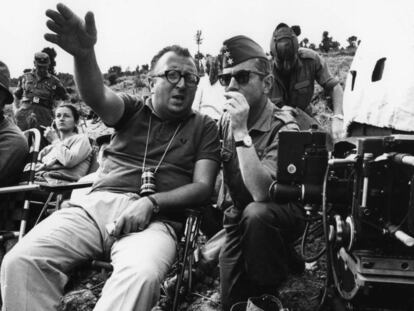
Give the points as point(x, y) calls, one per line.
point(245, 142)
point(155, 206)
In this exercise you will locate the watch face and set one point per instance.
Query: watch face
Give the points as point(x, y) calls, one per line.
point(247, 140)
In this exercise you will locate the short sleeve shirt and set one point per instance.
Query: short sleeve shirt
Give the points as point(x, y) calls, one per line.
point(264, 134)
point(122, 163)
point(310, 68)
point(42, 91)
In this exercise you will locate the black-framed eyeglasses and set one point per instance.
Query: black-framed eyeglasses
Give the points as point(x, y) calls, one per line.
point(242, 77)
point(174, 76)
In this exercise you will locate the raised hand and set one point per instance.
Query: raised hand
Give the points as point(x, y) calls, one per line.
point(238, 109)
point(71, 33)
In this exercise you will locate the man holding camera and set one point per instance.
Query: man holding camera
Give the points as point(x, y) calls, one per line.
point(257, 251)
point(176, 148)
point(36, 94)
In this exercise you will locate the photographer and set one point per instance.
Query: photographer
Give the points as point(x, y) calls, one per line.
point(257, 252)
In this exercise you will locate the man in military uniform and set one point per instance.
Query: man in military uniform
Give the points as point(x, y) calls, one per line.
point(259, 234)
point(295, 70)
point(35, 95)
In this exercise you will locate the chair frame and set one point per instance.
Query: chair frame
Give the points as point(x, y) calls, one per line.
point(26, 186)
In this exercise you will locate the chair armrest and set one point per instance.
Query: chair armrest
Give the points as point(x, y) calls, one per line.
point(60, 185)
point(19, 188)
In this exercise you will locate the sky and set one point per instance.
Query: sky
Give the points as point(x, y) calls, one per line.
point(130, 32)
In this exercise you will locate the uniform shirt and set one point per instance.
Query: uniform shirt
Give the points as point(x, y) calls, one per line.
point(121, 168)
point(310, 67)
point(41, 91)
point(264, 134)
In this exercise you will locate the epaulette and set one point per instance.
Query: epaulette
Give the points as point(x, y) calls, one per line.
point(286, 114)
point(307, 53)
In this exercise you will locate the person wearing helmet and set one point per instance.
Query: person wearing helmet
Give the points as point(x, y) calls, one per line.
point(296, 70)
point(36, 93)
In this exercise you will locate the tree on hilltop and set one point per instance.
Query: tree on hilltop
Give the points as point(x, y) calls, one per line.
point(328, 43)
point(115, 69)
point(199, 40)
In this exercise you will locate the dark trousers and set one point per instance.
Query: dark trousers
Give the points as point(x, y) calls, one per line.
point(253, 260)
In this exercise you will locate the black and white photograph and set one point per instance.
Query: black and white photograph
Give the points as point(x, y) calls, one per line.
point(207, 155)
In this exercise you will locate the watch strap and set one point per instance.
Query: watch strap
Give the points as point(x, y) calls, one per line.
point(155, 206)
point(239, 143)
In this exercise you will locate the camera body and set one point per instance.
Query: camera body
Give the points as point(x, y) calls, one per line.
point(365, 194)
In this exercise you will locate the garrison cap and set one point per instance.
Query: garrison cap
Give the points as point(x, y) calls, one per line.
point(239, 49)
point(5, 82)
point(42, 59)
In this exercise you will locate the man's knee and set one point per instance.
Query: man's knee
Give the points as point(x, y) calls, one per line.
point(15, 260)
point(256, 213)
point(142, 274)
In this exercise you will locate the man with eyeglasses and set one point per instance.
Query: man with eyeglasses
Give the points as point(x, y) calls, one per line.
point(160, 149)
point(257, 251)
point(295, 70)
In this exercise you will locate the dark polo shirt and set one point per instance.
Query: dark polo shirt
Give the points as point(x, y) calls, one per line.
point(196, 139)
point(264, 134)
point(310, 68)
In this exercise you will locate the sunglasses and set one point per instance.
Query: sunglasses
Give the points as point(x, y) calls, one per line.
point(174, 76)
point(242, 77)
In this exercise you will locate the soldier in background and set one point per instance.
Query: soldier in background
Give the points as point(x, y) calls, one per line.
point(296, 70)
point(36, 94)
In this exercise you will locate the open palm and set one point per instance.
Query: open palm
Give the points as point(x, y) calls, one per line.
point(71, 33)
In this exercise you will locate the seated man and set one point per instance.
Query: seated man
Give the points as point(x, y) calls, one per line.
point(13, 144)
point(259, 234)
point(179, 146)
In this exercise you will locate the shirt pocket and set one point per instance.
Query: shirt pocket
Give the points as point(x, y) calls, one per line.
point(302, 87)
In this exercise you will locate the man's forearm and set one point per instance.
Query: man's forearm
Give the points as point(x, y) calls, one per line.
point(89, 80)
point(100, 98)
point(256, 179)
point(337, 99)
point(194, 194)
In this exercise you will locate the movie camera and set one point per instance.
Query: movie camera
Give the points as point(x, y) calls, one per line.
point(364, 194)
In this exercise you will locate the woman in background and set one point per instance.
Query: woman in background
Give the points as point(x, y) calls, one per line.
point(69, 154)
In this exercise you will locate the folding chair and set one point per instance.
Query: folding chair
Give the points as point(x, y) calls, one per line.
point(25, 186)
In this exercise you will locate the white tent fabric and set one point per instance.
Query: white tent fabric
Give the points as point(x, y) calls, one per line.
point(389, 101)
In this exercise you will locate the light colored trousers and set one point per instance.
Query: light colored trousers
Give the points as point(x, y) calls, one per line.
point(34, 272)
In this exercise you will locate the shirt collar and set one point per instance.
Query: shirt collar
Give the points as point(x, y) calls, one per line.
point(148, 105)
point(264, 122)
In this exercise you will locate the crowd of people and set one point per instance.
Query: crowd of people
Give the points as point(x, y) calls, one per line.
point(164, 156)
